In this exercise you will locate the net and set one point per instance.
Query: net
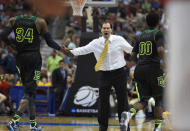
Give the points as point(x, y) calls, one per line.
point(77, 6)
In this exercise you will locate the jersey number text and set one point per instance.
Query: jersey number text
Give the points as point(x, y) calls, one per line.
point(21, 35)
point(145, 48)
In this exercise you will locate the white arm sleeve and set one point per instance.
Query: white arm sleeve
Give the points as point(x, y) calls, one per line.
point(89, 48)
point(125, 45)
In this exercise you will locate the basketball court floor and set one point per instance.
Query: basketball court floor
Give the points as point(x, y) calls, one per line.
point(76, 124)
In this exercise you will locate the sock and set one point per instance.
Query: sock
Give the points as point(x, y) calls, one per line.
point(33, 123)
point(17, 116)
point(158, 123)
point(133, 111)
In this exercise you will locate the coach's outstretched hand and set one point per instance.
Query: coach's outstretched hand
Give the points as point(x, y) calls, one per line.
point(66, 51)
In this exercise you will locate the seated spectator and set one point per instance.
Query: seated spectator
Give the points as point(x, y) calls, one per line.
point(18, 83)
point(53, 61)
point(44, 73)
point(146, 5)
point(70, 71)
point(8, 62)
point(156, 4)
point(69, 39)
point(5, 86)
point(44, 82)
point(69, 81)
point(2, 99)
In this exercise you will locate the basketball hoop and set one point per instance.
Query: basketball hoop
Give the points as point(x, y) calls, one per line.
point(77, 6)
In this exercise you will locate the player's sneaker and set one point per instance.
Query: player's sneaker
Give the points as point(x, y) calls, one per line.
point(159, 125)
point(13, 126)
point(36, 128)
point(124, 124)
point(157, 129)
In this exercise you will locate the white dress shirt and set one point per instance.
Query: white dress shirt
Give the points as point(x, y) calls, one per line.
point(115, 56)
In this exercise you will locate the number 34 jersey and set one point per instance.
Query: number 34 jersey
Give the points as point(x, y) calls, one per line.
point(147, 46)
point(27, 37)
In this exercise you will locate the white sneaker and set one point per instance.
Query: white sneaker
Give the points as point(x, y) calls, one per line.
point(125, 117)
point(13, 126)
point(157, 129)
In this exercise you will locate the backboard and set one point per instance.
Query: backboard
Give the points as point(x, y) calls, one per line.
point(100, 3)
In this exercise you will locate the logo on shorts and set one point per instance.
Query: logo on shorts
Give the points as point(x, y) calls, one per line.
point(161, 81)
point(86, 96)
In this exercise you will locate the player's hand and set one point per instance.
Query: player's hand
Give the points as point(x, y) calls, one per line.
point(129, 64)
point(66, 51)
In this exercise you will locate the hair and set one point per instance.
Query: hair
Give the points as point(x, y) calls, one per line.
point(27, 6)
point(61, 61)
point(152, 19)
point(105, 22)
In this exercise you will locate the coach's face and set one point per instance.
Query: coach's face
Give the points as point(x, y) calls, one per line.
point(106, 30)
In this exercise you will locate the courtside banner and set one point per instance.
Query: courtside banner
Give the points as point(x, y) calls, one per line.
point(82, 99)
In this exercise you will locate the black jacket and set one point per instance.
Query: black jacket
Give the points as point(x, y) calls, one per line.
point(58, 81)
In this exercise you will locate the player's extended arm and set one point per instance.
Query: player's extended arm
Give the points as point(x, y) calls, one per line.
point(160, 48)
point(133, 60)
point(67, 52)
point(46, 35)
point(161, 52)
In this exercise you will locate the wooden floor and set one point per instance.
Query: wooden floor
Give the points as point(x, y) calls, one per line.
point(74, 124)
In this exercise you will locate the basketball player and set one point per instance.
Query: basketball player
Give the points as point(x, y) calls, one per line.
point(148, 73)
point(27, 29)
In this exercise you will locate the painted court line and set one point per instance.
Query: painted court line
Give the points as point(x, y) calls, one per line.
point(58, 124)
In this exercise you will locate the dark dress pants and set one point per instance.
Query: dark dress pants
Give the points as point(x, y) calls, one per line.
point(118, 79)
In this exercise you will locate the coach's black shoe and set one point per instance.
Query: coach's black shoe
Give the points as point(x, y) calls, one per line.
point(13, 126)
point(124, 124)
point(36, 128)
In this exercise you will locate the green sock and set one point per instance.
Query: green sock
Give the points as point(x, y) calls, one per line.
point(158, 123)
point(133, 111)
point(33, 123)
point(16, 118)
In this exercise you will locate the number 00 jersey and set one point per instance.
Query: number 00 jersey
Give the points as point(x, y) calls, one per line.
point(27, 37)
point(147, 46)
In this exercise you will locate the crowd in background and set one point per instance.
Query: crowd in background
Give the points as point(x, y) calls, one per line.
point(128, 20)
